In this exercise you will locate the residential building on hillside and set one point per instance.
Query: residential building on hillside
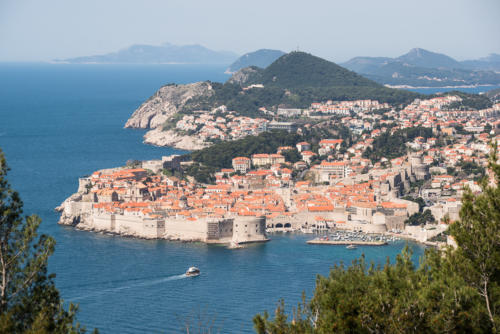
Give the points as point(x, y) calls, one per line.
point(241, 164)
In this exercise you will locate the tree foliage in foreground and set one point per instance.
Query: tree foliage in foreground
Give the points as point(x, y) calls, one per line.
point(454, 291)
point(29, 300)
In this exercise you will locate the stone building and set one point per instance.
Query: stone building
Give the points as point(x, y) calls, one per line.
point(241, 164)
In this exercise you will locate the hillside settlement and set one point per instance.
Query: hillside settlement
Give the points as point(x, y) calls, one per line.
point(333, 183)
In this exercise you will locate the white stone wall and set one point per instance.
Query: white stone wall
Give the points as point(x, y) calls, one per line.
point(249, 229)
point(186, 229)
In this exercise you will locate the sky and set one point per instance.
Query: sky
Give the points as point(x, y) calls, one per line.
point(36, 30)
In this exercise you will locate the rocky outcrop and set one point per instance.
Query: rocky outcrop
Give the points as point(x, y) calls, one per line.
point(167, 101)
point(73, 213)
point(171, 138)
point(245, 75)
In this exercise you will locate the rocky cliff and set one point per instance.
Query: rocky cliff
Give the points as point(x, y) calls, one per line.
point(167, 101)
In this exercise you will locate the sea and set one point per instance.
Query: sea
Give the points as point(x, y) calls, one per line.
point(59, 122)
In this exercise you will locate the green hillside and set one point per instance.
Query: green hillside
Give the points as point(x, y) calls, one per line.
point(296, 80)
point(300, 69)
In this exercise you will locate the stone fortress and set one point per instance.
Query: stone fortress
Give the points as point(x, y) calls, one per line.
point(86, 210)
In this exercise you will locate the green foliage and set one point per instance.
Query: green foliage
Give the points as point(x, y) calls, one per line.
point(171, 123)
point(394, 299)
point(292, 155)
point(469, 101)
point(301, 70)
point(296, 80)
point(471, 168)
point(419, 200)
point(221, 154)
point(29, 300)
point(452, 291)
point(420, 218)
point(477, 234)
point(202, 173)
point(465, 169)
point(210, 159)
point(393, 146)
point(327, 129)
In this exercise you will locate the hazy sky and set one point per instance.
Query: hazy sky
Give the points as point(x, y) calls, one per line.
point(32, 30)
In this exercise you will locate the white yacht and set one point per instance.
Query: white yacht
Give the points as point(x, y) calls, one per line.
point(351, 246)
point(193, 271)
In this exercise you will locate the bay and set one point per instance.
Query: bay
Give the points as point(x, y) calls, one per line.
point(60, 122)
point(471, 90)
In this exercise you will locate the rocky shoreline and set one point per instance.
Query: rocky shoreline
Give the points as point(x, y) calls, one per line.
point(159, 108)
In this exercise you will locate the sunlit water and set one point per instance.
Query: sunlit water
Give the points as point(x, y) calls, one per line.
point(60, 122)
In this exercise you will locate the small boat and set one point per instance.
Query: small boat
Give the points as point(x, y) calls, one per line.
point(193, 271)
point(351, 246)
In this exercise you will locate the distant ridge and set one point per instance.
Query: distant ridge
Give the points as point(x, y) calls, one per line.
point(260, 58)
point(489, 63)
point(423, 58)
point(163, 54)
point(423, 68)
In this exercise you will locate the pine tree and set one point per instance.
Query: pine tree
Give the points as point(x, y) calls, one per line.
point(29, 300)
point(455, 291)
point(477, 235)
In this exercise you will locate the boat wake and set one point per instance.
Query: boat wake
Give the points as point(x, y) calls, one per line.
point(130, 286)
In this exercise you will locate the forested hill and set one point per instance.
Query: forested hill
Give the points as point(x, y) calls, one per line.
point(295, 80)
point(300, 69)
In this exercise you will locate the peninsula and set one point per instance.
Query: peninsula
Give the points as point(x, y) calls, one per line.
point(299, 162)
point(362, 166)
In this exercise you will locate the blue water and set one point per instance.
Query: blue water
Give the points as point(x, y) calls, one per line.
point(59, 122)
point(472, 90)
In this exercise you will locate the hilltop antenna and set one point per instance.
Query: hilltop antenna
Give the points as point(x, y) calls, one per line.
point(298, 49)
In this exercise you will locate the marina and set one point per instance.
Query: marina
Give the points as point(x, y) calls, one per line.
point(335, 242)
point(353, 238)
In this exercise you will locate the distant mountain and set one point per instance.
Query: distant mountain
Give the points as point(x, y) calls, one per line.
point(166, 53)
point(260, 58)
point(423, 58)
point(422, 68)
point(490, 63)
point(366, 64)
point(300, 69)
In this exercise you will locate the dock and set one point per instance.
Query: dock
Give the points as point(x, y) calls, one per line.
point(346, 242)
